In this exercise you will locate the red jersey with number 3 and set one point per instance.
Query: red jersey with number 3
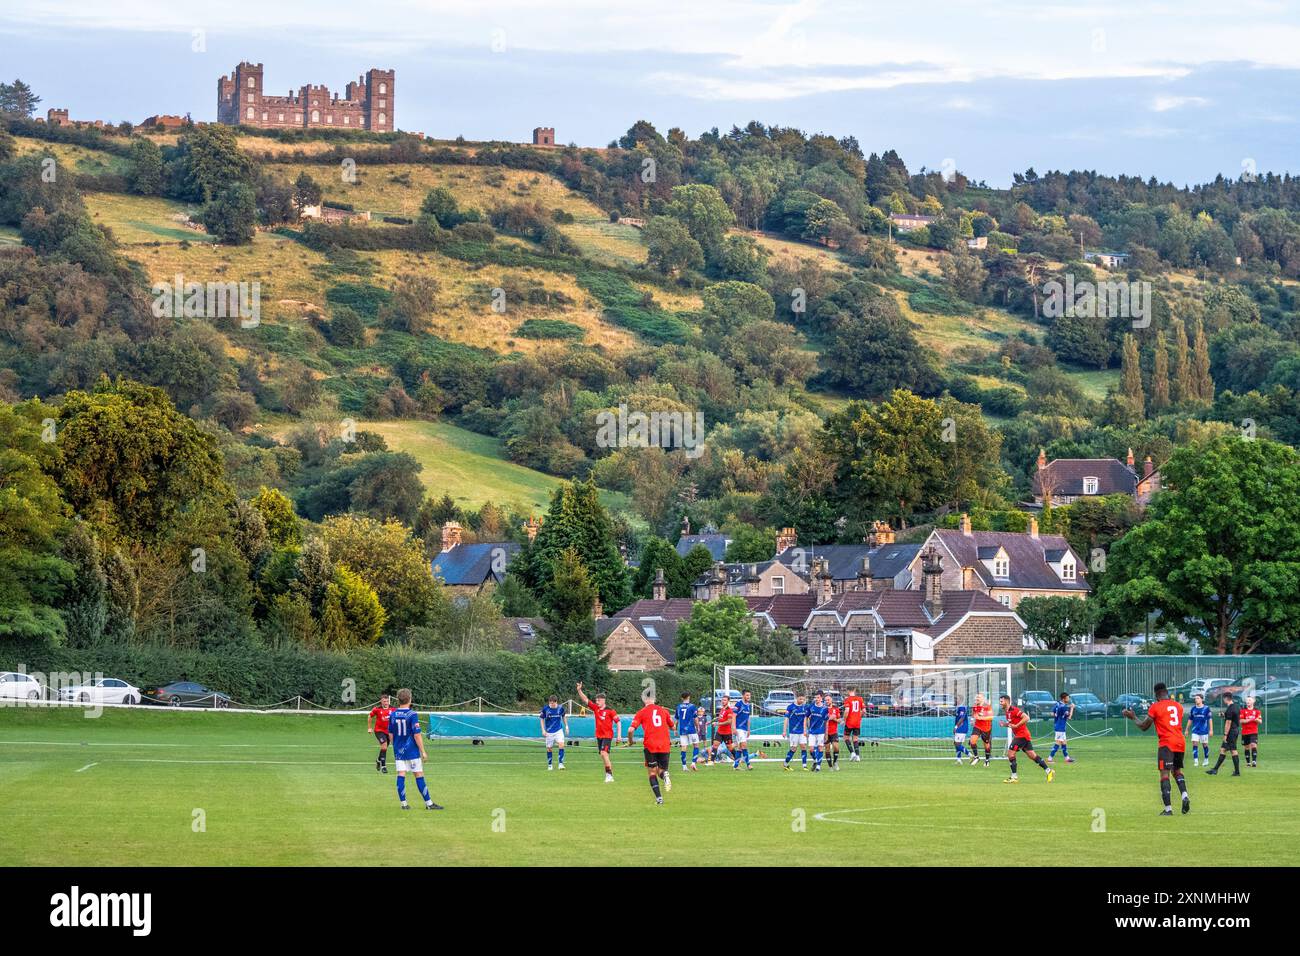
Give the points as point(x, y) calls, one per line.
point(605, 718)
point(656, 724)
point(853, 708)
point(1167, 715)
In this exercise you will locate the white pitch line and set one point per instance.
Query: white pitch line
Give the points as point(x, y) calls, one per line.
point(86, 767)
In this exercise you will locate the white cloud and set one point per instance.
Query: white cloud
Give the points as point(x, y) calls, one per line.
point(1163, 104)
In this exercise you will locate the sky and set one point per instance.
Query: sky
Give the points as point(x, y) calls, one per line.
point(1182, 90)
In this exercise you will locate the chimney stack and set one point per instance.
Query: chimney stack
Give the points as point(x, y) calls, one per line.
point(660, 586)
point(1147, 467)
point(752, 581)
point(864, 574)
point(825, 583)
point(881, 534)
point(1033, 527)
point(786, 540)
point(597, 610)
point(450, 535)
point(965, 524)
point(1129, 459)
point(932, 575)
point(718, 583)
point(1042, 459)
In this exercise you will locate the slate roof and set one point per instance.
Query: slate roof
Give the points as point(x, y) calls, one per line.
point(662, 634)
point(471, 564)
point(672, 609)
point(1028, 556)
point(716, 544)
point(522, 632)
point(1064, 476)
point(783, 610)
point(845, 560)
point(905, 610)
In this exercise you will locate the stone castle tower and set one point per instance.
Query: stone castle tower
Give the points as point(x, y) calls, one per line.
point(365, 104)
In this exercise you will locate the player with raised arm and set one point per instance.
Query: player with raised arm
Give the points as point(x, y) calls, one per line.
point(1017, 721)
point(1231, 728)
point(1167, 715)
point(555, 727)
point(744, 710)
point(408, 749)
point(1062, 711)
point(960, 729)
point(818, 714)
point(377, 724)
point(656, 725)
point(605, 718)
point(1250, 718)
point(982, 714)
point(1201, 724)
point(833, 716)
point(688, 730)
point(796, 721)
point(854, 708)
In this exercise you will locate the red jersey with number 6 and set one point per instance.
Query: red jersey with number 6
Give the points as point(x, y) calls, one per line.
point(1167, 715)
point(656, 724)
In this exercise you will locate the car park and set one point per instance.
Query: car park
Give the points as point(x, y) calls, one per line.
point(102, 690)
point(777, 701)
point(16, 686)
point(186, 694)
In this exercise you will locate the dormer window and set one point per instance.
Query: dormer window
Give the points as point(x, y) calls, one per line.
point(778, 584)
point(1090, 486)
point(1067, 571)
point(1002, 566)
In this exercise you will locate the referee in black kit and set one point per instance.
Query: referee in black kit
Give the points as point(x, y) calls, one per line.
point(1231, 728)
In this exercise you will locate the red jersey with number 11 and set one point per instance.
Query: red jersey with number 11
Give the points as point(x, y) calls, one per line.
point(656, 724)
point(1167, 715)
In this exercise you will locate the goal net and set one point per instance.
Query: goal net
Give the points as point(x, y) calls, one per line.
point(910, 710)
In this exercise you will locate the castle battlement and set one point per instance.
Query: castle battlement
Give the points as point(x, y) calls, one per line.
point(366, 104)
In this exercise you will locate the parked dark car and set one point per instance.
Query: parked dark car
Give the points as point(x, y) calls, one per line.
point(1087, 705)
point(1037, 704)
point(880, 705)
point(186, 694)
point(1134, 702)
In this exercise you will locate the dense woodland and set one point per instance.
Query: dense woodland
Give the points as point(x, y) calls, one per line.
point(140, 507)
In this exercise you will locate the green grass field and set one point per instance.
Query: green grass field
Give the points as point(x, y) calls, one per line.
point(128, 787)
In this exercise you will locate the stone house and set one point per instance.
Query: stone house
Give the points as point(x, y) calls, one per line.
point(1062, 481)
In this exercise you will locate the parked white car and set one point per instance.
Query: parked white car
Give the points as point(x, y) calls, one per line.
point(15, 686)
point(105, 690)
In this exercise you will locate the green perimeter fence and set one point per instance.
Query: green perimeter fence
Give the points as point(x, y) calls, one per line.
point(1101, 687)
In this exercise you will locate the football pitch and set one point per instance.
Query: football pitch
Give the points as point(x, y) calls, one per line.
point(202, 788)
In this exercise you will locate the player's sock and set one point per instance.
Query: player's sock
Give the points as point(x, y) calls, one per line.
point(1182, 785)
point(654, 784)
point(548, 758)
point(1065, 751)
point(695, 755)
point(401, 788)
point(1055, 748)
point(817, 757)
point(746, 751)
point(561, 755)
point(803, 757)
point(1220, 761)
point(424, 789)
point(789, 755)
point(1236, 764)
point(1164, 793)
point(1041, 762)
point(1013, 766)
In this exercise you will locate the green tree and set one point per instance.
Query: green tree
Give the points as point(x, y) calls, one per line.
point(145, 176)
point(208, 163)
point(1160, 399)
point(655, 554)
point(282, 524)
point(576, 519)
point(306, 191)
point(704, 213)
point(1202, 383)
point(717, 632)
point(231, 216)
point(390, 560)
point(1058, 621)
point(670, 248)
point(569, 601)
point(1220, 546)
point(353, 615)
point(17, 99)
point(1184, 388)
point(1131, 377)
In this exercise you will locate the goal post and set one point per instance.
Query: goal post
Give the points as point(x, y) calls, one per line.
point(910, 708)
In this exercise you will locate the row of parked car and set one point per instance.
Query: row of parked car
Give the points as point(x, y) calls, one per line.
point(111, 690)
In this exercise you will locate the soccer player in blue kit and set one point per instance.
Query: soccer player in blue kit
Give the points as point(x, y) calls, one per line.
point(960, 729)
point(1062, 711)
point(687, 732)
point(744, 709)
point(818, 711)
point(408, 749)
point(1201, 719)
point(555, 723)
point(796, 720)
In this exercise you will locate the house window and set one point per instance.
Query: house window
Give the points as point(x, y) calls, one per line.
point(264, 117)
point(381, 119)
point(383, 87)
point(383, 103)
point(1001, 567)
point(281, 115)
point(252, 97)
point(347, 120)
point(315, 116)
point(251, 82)
point(1005, 599)
point(330, 118)
point(1090, 486)
point(250, 112)
point(1067, 572)
point(778, 584)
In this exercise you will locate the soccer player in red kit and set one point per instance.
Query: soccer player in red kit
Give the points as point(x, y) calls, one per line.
point(1167, 715)
point(833, 715)
point(606, 718)
point(854, 708)
point(1250, 718)
point(1018, 721)
point(724, 726)
point(377, 723)
point(656, 725)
